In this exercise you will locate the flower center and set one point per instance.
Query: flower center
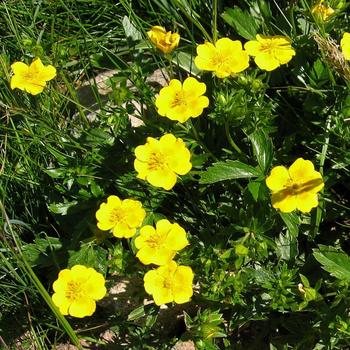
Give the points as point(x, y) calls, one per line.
point(268, 47)
point(117, 214)
point(157, 161)
point(156, 241)
point(179, 100)
point(168, 282)
point(293, 188)
point(74, 290)
point(219, 59)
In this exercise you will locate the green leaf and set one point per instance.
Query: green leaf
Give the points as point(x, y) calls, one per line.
point(229, 170)
point(62, 208)
point(262, 149)
point(242, 21)
point(334, 261)
point(292, 222)
point(90, 256)
point(318, 74)
point(130, 29)
point(286, 246)
point(137, 313)
point(254, 188)
point(186, 62)
point(40, 252)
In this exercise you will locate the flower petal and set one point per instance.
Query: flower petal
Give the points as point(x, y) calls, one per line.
point(164, 178)
point(182, 289)
point(95, 286)
point(176, 238)
point(306, 201)
point(153, 281)
point(253, 47)
point(278, 178)
point(19, 68)
point(82, 307)
point(284, 201)
point(266, 61)
point(60, 300)
point(193, 87)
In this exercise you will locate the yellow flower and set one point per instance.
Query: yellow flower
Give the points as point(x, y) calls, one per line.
point(296, 187)
point(169, 283)
point(31, 78)
point(345, 45)
point(181, 102)
point(225, 58)
point(163, 40)
point(270, 51)
point(121, 216)
point(159, 246)
point(158, 161)
point(321, 10)
point(77, 289)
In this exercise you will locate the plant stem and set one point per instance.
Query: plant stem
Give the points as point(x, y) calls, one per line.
point(215, 20)
point(230, 139)
point(196, 136)
point(319, 210)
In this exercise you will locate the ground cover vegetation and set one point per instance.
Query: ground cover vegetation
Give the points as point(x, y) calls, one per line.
point(175, 174)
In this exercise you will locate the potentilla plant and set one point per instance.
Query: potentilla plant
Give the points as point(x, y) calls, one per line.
point(206, 199)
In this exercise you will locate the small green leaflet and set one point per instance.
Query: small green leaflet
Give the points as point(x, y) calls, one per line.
point(229, 170)
point(334, 261)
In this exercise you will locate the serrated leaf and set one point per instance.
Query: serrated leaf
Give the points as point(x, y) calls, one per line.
point(262, 149)
point(90, 256)
point(229, 170)
point(334, 261)
point(39, 252)
point(62, 208)
point(243, 22)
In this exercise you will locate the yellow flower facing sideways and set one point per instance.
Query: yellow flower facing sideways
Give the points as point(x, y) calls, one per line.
point(123, 217)
point(227, 57)
point(270, 52)
point(159, 161)
point(169, 283)
point(296, 187)
point(31, 78)
point(182, 101)
point(163, 40)
point(322, 11)
point(77, 289)
point(345, 45)
point(158, 246)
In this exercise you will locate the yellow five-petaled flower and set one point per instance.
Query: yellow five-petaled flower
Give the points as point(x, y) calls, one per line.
point(77, 289)
point(182, 101)
point(345, 45)
point(163, 40)
point(159, 161)
point(270, 51)
point(225, 58)
point(296, 187)
point(31, 78)
point(123, 217)
point(158, 246)
point(169, 283)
